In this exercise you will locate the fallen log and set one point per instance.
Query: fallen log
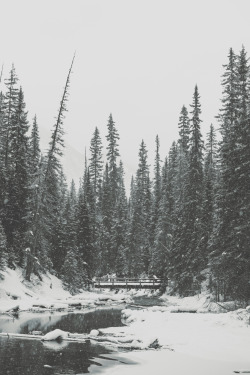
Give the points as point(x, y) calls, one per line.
point(38, 337)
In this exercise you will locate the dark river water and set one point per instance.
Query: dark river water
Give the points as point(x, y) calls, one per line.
point(34, 357)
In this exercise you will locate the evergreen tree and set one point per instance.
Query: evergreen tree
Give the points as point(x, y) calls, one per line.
point(163, 235)
point(8, 112)
point(64, 225)
point(184, 130)
point(34, 149)
point(72, 271)
point(84, 235)
point(209, 193)
point(156, 190)
point(106, 224)
point(139, 229)
point(186, 257)
point(48, 190)
point(96, 164)
point(230, 255)
point(3, 250)
point(119, 227)
point(194, 191)
point(15, 221)
point(112, 154)
point(10, 101)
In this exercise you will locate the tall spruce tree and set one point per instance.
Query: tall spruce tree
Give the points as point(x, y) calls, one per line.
point(184, 129)
point(96, 164)
point(209, 193)
point(112, 155)
point(48, 189)
point(139, 228)
point(156, 196)
point(163, 237)
point(3, 250)
point(119, 227)
point(194, 191)
point(186, 257)
point(230, 255)
point(15, 220)
point(104, 239)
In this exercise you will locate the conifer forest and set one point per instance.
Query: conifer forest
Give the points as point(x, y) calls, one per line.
point(186, 221)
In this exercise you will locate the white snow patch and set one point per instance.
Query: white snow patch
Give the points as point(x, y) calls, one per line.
point(55, 335)
point(94, 332)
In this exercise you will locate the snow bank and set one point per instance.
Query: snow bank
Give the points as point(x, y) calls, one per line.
point(14, 289)
point(209, 336)
point(48, 294)
point(167, 362)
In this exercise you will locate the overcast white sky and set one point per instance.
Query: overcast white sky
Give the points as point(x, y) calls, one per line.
point(139, 59)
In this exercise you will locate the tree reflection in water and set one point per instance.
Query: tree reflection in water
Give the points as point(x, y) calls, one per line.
point(28, 357)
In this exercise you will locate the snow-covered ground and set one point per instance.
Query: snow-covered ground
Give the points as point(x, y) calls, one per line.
point(15, 291)
point(203, 343)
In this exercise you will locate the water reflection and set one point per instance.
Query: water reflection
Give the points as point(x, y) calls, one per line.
point(24, 357)
point(30, 356)
point(148, 301)
point(77, 322)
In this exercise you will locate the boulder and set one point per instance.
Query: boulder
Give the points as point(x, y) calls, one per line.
point(94, 332)
point(57, 334)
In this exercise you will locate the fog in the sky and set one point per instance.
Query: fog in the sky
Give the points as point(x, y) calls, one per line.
point(137, 59)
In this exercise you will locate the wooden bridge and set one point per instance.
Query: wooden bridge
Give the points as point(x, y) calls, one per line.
point(121, 283)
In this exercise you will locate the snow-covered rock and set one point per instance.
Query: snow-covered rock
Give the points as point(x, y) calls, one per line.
point(8, 306)
point(94, 332)
point(55, 335)
point(135, 344)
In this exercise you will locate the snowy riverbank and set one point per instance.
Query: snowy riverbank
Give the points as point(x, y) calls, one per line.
point(207, 342)
point(47, 294)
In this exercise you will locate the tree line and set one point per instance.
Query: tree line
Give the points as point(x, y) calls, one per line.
point(189, 222)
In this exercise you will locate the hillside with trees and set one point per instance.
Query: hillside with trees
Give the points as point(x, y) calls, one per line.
point(188, 221)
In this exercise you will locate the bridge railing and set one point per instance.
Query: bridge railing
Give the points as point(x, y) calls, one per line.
point(126, 281)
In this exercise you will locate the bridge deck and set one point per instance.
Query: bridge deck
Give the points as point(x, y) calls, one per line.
point(128, 283)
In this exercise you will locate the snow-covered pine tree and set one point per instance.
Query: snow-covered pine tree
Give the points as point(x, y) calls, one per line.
point(72, 278)
point(163, 238)
point(104, 239)
point(139, 227)
point(84, 238)
point(15, 220)
point(194, 257)
point(8, 108)
point(64, 223)
point(185, 256)
point(184, 130)
point(230, 255)
point(2, 157)
point(112, 155)
point(48, 191)
point(119, 227)
point(85, 228)
point(77, 242)
point(156, 196)
point(34, 150)
point(9, 105)
point(209, 193)
point(3, 250)
point(182, 159)
point(96, 164)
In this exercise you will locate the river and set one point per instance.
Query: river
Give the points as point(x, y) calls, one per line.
point(34, 357)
